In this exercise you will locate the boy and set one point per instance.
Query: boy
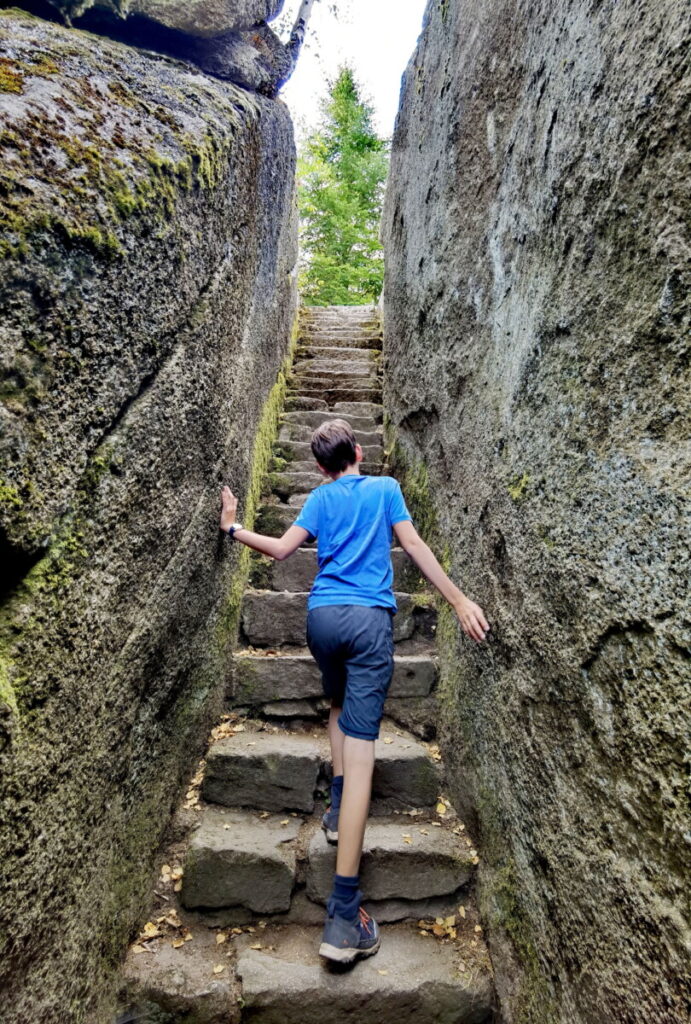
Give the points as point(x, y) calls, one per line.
point(350, 634)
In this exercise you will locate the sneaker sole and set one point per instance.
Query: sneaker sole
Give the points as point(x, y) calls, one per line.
point(346, 956)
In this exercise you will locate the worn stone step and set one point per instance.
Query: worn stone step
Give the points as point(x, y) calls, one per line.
point(333, 367)
point(333, 379)
point(311, 418)
point(292, 430)
point(236, 859)
point(339, 353)
point(261, 678)
point(307, 466)
point(271, 618)
point(295, 403)
point(301, 451)
point(398, 862)
point(273, 519)
point(413, 979)
point(360, 409)
point(297, 572)
point(288, 483)
point(260, 769)
point(344, 339)
point(337, 392)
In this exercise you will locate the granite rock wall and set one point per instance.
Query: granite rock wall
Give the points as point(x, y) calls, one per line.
point(147, 252)
point(537, 381)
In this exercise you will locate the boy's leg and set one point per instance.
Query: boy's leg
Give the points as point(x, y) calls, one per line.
point(336, 738)
point(358, 765)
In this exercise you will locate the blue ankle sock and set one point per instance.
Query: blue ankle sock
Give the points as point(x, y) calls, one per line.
point(336, 792)
point(345, 897)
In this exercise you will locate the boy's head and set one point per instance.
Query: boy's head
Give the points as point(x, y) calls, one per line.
point(334, 446)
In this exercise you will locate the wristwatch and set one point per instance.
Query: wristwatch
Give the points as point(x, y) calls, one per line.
point(231, 529)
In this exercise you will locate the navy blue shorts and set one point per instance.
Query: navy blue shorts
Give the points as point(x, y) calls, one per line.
point(353, 646)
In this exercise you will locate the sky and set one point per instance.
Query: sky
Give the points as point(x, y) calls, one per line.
point(376, 37)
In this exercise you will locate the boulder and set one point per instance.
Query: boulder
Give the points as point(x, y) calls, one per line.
point(536, 375)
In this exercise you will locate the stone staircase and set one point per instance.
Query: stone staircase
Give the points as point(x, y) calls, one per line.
point(236, 922)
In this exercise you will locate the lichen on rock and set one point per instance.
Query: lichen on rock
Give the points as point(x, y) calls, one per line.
point(147, 252)
point(536, 360)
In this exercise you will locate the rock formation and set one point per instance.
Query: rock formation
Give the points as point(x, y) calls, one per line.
point(225, 38)
point(147, 249)
point(536, 375)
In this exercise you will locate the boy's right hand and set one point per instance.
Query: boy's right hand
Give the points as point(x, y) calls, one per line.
point(472, 619)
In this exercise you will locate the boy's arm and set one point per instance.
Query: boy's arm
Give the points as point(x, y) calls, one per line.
point(470, 615)
point(276, 547)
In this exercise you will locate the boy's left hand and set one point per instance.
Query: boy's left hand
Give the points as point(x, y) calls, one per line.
point(472, 619)
point(229, 509)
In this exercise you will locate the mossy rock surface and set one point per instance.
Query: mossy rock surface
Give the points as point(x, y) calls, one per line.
point(536, 378)
point(147, 242)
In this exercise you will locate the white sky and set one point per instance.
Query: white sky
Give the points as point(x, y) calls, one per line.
point(376, 37)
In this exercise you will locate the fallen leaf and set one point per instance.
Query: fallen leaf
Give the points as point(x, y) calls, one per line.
point(441, 808)
point(165, 870)
point(382, 972)
point(438, 929)
point(478, 927)
point(176, 943)
point(461, 911)
point(407, 840)
point(221, 937)
point(450, 921)
point(475, 860)
point(136, 948)
point(236, 931)
point(239, 728)
point(176, 873)
point(177, 887)
point(264, 814)
point(256, 945)
point(387, 739)
point(286, 821)
point(219, 968)
point(423, 831)
point(150, 930)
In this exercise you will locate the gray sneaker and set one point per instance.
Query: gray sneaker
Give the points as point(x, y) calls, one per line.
point(345, 941)
point(330, 825)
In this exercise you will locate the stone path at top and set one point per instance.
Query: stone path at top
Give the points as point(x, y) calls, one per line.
point(236, 921)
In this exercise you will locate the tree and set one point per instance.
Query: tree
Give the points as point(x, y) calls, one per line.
point(341, 175)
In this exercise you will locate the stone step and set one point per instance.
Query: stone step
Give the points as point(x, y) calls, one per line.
point(333, 395)
point(327, 378)
point(260, 678)
point(294, 403)
point(401, 859)
point(361, 423)
point(307, 466)
point(287, 483)
point(273, 519)
point(262, 769)
point(333, 367)
point(296, 431)
point(236, 859)
point(283, 767)
point(362, 409)
point(345, 339)
point(340, 354)
point(413, 979)
point(270, 618)
point(302, 451)
point(297, 573)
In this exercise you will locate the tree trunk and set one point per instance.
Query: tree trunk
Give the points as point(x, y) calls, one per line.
point(297, 38)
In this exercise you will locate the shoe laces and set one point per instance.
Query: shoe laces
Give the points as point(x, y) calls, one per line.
point(364, 920)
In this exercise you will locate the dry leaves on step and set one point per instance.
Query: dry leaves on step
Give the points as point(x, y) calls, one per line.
point(221, 937)
point(387, 739)
point(219, 968)
point(461, 911)
point(441, 807)
point(435, 752)
point(442, 927)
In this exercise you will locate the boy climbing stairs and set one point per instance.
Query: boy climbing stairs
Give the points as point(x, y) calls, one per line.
point(235, 929)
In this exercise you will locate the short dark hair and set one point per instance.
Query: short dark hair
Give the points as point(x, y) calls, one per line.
point(333, 445)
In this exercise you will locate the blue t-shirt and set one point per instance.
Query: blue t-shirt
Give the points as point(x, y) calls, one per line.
point(352, 518)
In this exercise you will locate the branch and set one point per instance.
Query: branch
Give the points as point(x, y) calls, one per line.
point(297, 38)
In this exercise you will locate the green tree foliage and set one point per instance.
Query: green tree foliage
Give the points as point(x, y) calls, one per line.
point(341, 175)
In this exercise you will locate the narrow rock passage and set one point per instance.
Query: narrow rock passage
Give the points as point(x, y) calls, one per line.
point(256, 868)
